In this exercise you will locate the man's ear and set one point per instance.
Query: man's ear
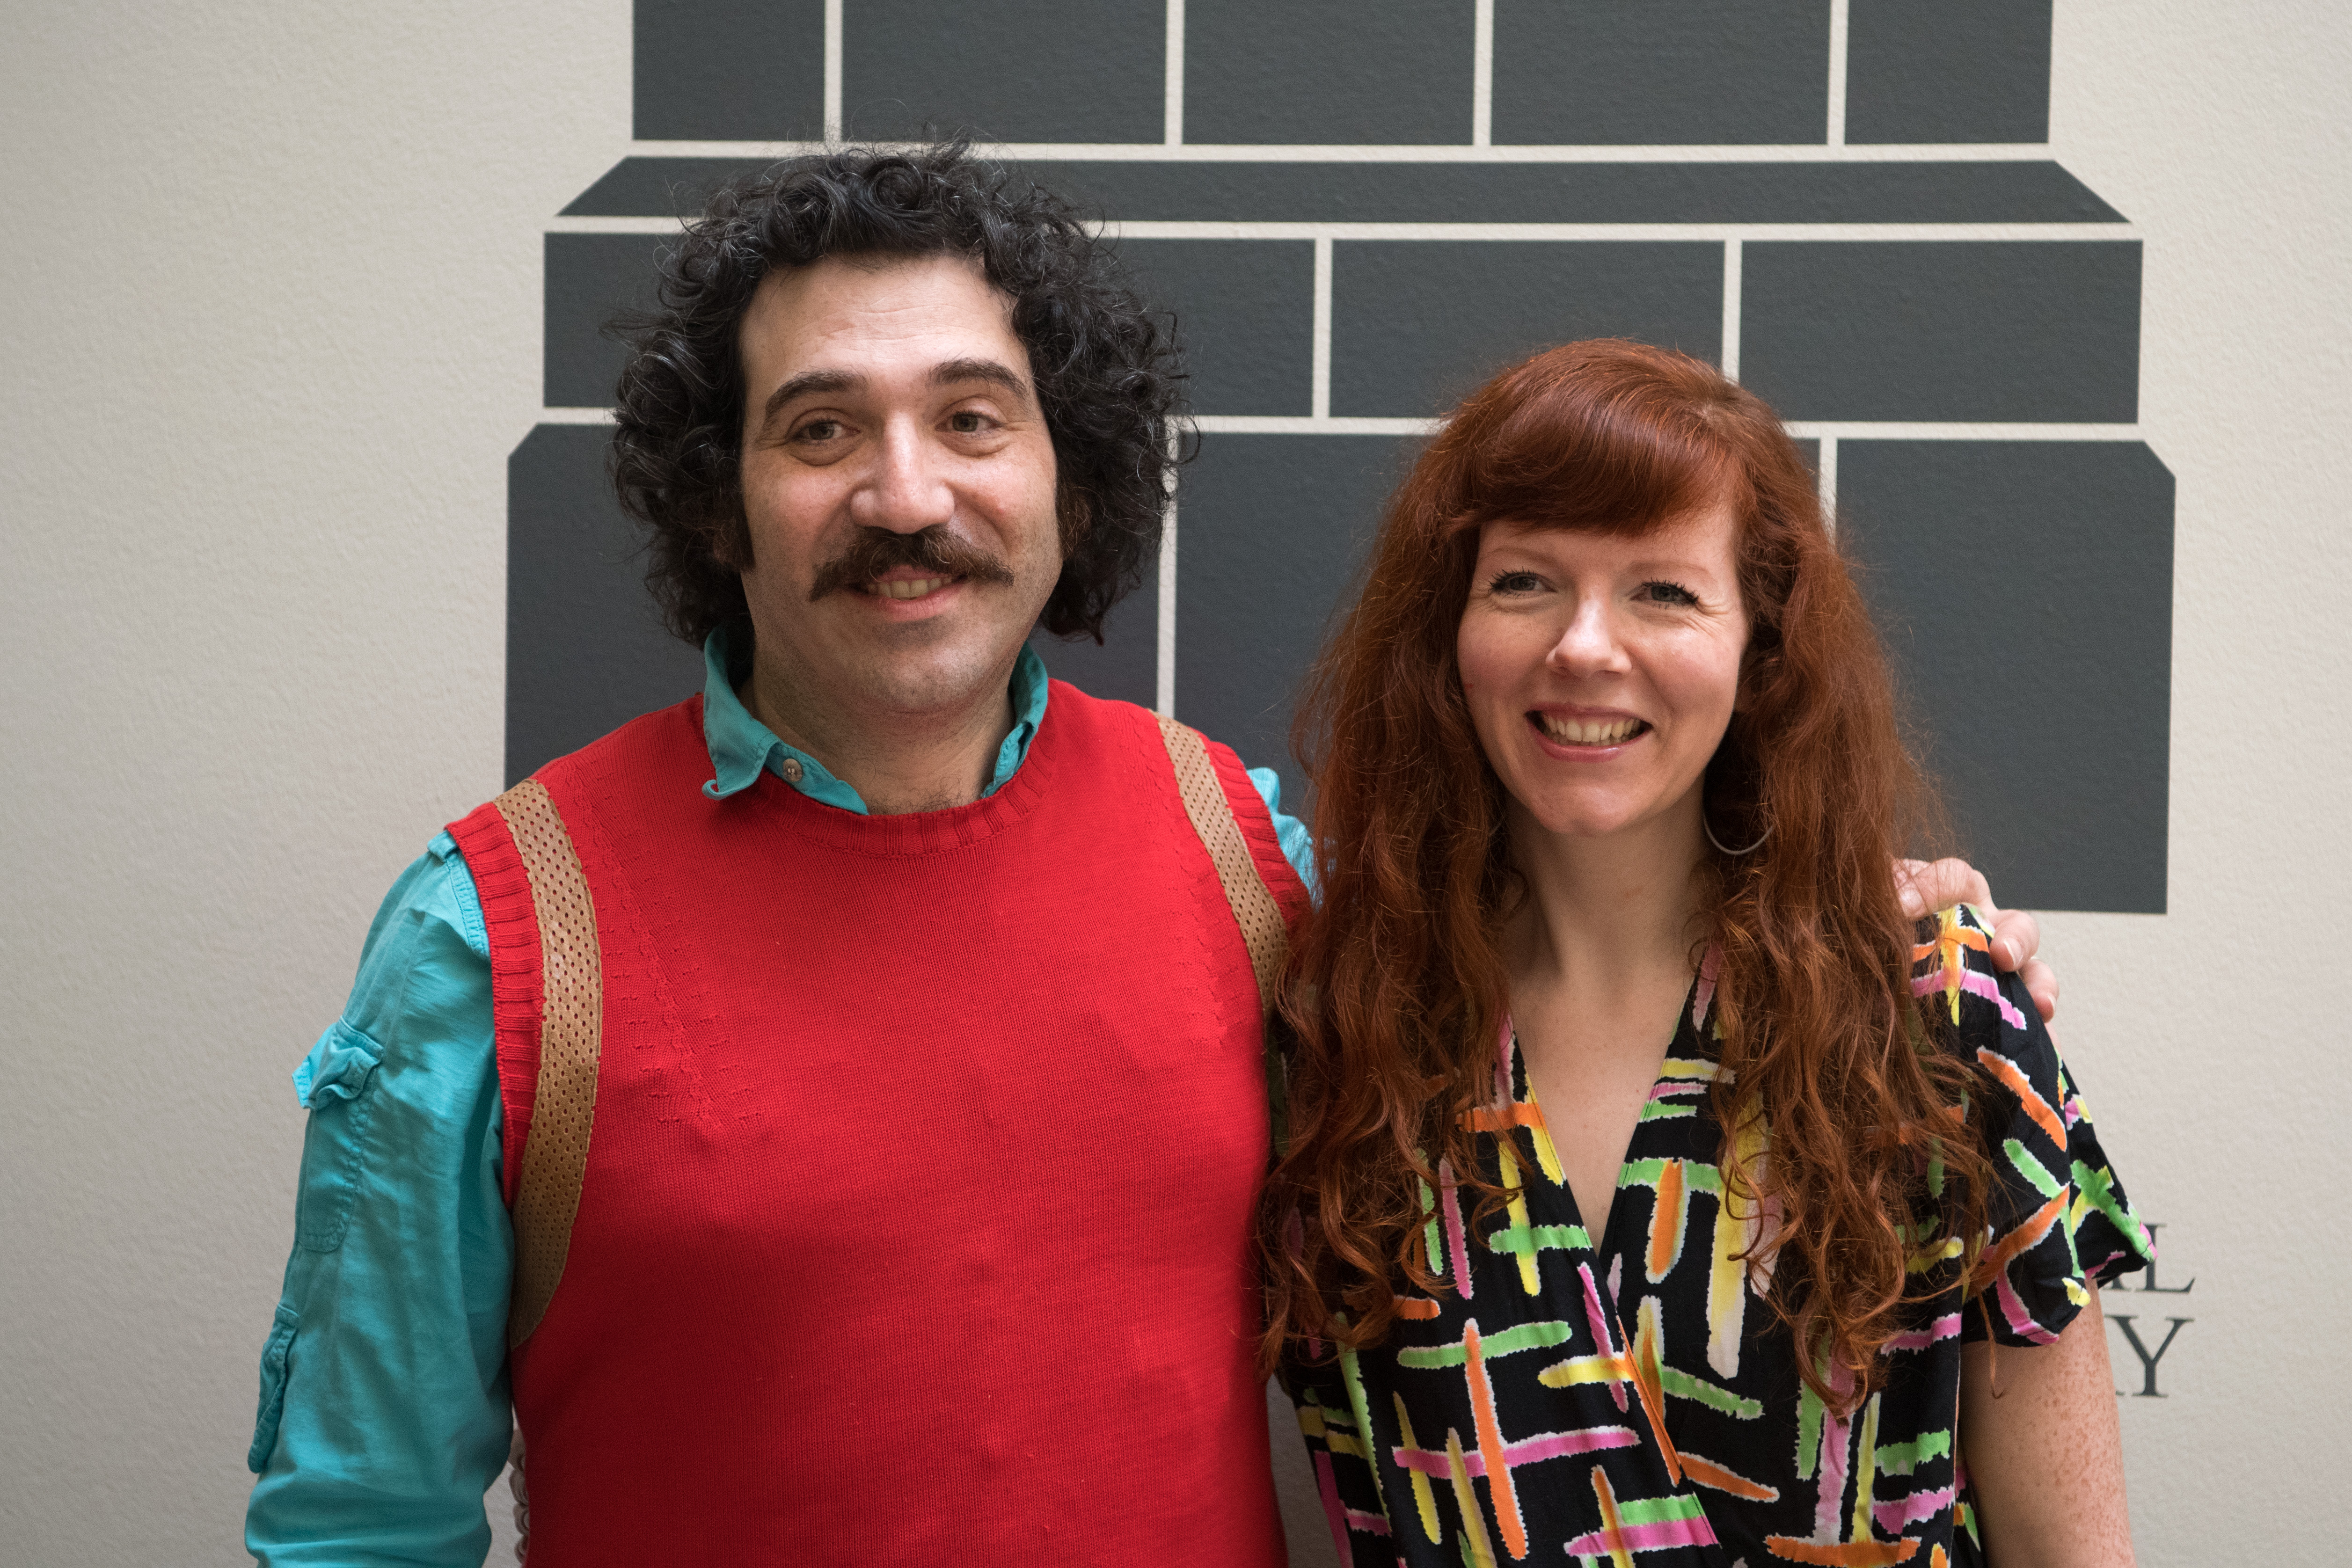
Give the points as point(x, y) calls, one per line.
point(1074, 517)
point(730, 542)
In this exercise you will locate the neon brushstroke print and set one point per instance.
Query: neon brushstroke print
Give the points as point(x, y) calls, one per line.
point(1632, 1399)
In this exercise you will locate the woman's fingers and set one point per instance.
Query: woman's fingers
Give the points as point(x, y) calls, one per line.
point(1929, 885)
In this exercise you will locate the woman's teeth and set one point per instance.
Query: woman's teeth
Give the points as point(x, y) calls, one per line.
point(1577, 732)
point(909, 587)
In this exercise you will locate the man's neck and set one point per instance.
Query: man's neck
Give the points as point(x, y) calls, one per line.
point(898, 762)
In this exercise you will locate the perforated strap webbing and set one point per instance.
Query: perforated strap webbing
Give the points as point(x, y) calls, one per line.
point(572, 1008)
point(1255, 910)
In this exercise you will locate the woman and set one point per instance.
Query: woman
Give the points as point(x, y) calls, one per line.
point(1654, 1188)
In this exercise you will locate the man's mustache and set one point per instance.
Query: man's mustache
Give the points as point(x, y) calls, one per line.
point(934, 551)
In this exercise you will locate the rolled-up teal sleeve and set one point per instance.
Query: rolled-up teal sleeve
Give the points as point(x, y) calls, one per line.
point(1291, 833)
point(383, 1414)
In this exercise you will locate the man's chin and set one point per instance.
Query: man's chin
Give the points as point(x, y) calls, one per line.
point(926, 674)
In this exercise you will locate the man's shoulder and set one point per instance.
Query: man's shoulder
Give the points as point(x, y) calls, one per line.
point(666, 740)
point(673, 735)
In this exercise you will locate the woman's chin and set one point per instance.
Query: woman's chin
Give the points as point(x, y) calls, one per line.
point(1601, 821)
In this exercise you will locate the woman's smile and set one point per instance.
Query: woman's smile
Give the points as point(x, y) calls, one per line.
point(1578, 735)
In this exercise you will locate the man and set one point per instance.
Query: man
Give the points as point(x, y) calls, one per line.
point(830, 1109)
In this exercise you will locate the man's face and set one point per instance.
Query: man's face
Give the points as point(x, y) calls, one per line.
point(899, 485)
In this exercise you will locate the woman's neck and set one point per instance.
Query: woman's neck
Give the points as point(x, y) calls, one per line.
point(1609, 917)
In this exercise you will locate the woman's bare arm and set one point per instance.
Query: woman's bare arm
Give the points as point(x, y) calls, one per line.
point(2044, 1455)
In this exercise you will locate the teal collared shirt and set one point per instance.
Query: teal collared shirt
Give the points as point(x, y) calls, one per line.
point(385, 1414)
point(741, 747)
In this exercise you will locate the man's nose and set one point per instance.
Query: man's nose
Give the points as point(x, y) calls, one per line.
point(906, 490)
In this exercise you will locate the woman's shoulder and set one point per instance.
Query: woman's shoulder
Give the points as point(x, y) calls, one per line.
point(1952, 972)
point(1985, 1017)
point(2059, 1217)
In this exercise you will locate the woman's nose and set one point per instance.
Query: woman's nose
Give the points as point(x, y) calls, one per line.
point(1590, 644)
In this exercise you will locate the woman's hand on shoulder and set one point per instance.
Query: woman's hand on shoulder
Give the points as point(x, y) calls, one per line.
point(1929, 885)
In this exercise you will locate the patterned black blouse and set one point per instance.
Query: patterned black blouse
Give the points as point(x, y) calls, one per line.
point(1637, 1402)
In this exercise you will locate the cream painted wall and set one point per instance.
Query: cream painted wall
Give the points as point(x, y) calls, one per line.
point(270, 299)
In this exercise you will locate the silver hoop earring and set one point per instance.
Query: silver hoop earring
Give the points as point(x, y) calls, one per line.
point(1708, 828)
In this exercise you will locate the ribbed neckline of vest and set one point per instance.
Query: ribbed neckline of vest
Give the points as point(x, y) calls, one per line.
point(920, 833)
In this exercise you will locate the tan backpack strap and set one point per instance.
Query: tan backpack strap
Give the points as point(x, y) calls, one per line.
point(1247, 895)
point(571, 1032)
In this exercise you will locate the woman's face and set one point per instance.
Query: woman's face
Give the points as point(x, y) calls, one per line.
point(1600, 671)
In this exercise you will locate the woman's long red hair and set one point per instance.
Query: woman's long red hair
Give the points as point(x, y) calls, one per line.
point(1399, 987)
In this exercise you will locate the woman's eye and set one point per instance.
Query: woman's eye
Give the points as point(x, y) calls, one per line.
point(966, 423)
point(818, 430)
point(1515, 582)
point(1667, 593)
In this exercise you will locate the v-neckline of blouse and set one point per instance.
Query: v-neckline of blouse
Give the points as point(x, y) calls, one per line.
point(1689, 1017)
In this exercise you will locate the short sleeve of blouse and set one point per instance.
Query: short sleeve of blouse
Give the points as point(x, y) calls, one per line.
point(2058, 1218)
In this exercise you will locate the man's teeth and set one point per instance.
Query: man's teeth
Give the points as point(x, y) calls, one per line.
point(1575, 732)
point(909, 587)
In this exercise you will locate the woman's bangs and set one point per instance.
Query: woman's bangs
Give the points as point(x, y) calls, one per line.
point(1622, 461)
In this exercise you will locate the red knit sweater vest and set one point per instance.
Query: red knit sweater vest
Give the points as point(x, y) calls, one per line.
point(915, 1225)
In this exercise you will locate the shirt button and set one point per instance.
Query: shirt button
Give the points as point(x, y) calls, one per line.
point(791, 769)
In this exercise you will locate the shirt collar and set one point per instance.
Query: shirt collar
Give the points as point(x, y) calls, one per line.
point(741, 747)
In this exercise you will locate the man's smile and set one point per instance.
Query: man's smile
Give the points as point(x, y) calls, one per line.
point(909, 586)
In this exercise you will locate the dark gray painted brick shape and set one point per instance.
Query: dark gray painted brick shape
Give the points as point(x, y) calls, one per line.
point(1662, 71)
point(1415, 324)
point(1270, 531)
point(727, 70)
point(1795, 192)
point(1927, 70)
point(586, 652)
point(590, 278)
point(1244, 312)
point(1006, 71)
point(1126, 666)
point(2024, 590)
point(2004, 331)
point(1326, 71)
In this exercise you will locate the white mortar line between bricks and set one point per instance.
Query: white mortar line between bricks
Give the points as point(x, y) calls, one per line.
point(1699, 233)
point(1277, 229)
point(1957, 430)
point(1482, 76)
point(832, 72)
point(1731, 308)
point(1407, 153)
point(1164, 665)
point(1838, 35)
point(1319, 394)
point(1172, 114)
point(1696, 233)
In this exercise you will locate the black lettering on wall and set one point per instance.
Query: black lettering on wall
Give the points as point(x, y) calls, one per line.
point(2147, 1276)
point(2146, 1362)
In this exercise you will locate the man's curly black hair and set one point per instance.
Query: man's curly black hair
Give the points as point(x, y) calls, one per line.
point(1105, 368)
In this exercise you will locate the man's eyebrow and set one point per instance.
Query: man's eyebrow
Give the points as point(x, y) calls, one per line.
point(950, 371)
point(809, 381)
